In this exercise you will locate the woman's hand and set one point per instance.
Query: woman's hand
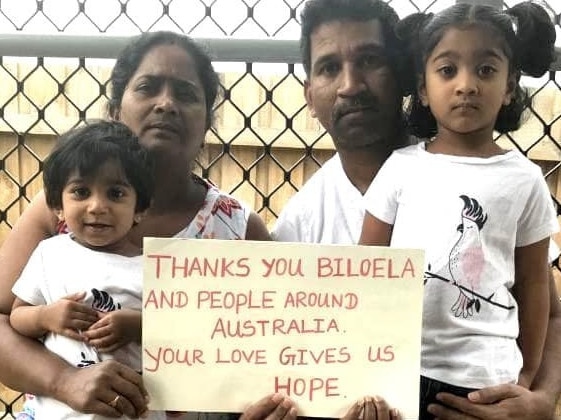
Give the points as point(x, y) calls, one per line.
point(114, 330)
point(272, 407)
point(107, 388)
point(372, 408)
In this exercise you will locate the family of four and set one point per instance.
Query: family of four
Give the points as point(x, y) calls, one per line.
point(429, 177)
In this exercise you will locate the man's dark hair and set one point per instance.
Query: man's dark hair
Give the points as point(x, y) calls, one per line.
point(319, 12)
point(86, 149)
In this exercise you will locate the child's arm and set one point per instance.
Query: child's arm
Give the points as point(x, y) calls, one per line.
point(115, 329)
point(26, 319)
point(531, 291)
point(375, 232)
point(66, 316)
point(381, 203)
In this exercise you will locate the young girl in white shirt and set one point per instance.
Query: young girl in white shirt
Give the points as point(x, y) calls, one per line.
point(482, 214)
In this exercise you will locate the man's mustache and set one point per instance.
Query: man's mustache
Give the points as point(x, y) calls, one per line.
point(356, 103)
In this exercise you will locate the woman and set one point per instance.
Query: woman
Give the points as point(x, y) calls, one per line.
point(164, 88)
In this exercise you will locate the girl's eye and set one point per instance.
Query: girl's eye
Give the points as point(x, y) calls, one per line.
point(116, 193)
point(486, 70)
point(447, 71)
point(80, 192)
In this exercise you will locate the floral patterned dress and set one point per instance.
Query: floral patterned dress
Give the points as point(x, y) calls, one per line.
point(220, 217)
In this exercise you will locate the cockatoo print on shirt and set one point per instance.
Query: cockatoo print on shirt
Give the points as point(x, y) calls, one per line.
point(466, 260)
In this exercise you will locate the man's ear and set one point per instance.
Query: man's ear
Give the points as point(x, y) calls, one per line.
point(422, 91)
point(510, 89)
point(114, 114)
point(309, 99)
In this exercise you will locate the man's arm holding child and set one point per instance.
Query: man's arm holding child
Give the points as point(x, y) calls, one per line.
point(531, 291)
point(512, 401)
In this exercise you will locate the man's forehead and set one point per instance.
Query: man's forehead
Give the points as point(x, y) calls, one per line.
point(346, 37)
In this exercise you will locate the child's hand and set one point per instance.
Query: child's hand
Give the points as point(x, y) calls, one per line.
point(114, 330)
point(68, 316)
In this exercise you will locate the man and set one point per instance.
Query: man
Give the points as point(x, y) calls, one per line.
point(350, 57)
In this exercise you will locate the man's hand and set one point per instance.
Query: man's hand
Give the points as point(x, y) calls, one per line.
point(92, 389)
point(501, 402)
point(68, 316)
point(272, 407)
point(114, 330)
point(372, 408)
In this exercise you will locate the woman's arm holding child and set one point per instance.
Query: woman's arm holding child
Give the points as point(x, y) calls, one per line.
point(38, 222)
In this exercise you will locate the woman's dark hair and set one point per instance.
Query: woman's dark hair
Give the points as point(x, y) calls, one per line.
point(318, 12)
point(527, 38)
point(131, 56)
point(88, 148)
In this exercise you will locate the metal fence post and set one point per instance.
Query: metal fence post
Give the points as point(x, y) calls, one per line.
point(495, 3)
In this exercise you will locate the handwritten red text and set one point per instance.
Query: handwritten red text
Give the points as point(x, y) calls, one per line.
point(178, 267)
point(159, 299)
point(304, 299)
point(172, 356)
point(381, 354)
point(254, 357)
point(282, 267)
point(373, 267)
point(237, 301)
point(267, 327)
point(307, 388)
point(297, 357)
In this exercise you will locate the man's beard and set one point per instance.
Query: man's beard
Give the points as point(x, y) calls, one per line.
point(362, 141)
point(362, 100)
point(363, 134)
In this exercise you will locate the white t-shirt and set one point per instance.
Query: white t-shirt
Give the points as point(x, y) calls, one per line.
point(328, 209)
point(468, 214)
point(222, 217)
point(58, 267)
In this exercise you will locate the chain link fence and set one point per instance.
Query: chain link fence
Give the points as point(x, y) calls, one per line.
point(55, 61)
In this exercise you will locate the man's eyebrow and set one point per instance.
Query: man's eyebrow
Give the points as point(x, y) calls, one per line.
point(371, 47)
point(326, 58)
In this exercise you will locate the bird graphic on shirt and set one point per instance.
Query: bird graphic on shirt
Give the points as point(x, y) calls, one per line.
point(466, 259)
